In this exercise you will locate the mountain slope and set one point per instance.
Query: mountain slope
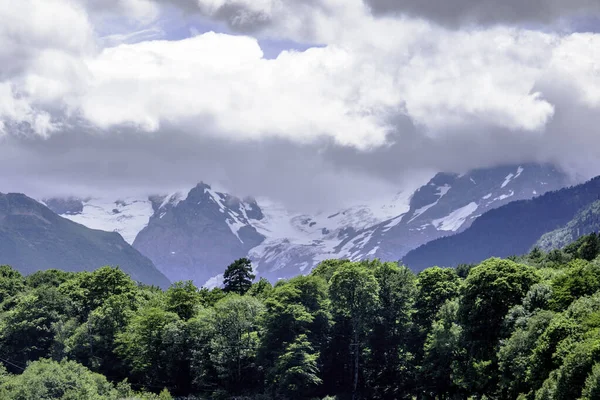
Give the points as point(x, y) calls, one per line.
point(199, 236)
point(508, 230)
point(32, 238)
point(585, 222)
point(450, 203)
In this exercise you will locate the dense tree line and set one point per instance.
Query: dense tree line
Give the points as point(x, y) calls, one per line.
point(524, 328)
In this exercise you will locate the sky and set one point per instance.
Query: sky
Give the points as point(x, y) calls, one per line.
point(315, 103)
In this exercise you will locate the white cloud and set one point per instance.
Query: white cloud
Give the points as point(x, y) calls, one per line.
point(483, 86)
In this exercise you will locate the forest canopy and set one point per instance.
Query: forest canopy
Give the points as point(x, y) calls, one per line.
point(524, 328)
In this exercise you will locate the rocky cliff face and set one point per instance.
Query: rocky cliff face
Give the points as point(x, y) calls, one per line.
point(199, 236)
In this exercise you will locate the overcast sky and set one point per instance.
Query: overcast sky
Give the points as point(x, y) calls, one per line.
point(311, 102)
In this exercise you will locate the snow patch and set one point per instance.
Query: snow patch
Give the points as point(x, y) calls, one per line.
point(505, 196)
point(126, 217)
point(507, 180)
point(454, 220)
point(214, 282)
point(487, 196)
point(511, 177)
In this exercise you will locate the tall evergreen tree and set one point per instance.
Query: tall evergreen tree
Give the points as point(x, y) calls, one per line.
point(238, 277)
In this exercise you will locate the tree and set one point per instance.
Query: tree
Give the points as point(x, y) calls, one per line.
point(297, 374)
point(591, 389)
point(580, 279)
point(27, 330)
point(490, 290)
point(153, 346)
point(353, 291)
point(441, 348)
point(389, 364)
point(238, 277)
point(435, 286)
point(88, 290)
point(183, 299)
point(235, 341)
point(514, 356)
point(50, 277)
point(11, 282)
point(261, 289)
point(93, 342)
point(46, 379)
point(296, 307)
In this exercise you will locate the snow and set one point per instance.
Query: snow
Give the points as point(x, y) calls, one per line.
point(318, 237)
point(393, 222)
point(487, 196)
point(454, 220)
point(127, 217)
point(235, 220)
point(505, 196)
point(442, 190)
point(173, 199)
point(473, 180)
point(519, 172)
point(511, 177)
point(214, 282)
point(507, 180)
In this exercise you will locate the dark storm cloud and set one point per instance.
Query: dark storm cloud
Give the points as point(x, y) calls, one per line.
point(486, 12)
point(78, 163)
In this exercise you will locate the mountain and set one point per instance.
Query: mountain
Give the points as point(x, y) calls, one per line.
point(196, 235)
point(33, 238)
point(449, 204)
point(585, 222)
point(508, 230)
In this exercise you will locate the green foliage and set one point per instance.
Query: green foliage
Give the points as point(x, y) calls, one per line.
point(208, 298)
point(296, 371)
point(591, 390)
point(238, 277)
point(441, 349)
point(182, 298)
point(261, 289)
point(27, 330)
point(67, 380)
point(435, 286)
point(525, 328)
point(151, 345)
point(50, 277)
point(581, 278)
point(88, 290)
point(11, 282)
point(490, 290)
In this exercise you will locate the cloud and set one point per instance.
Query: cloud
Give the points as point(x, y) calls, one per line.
point(381, 100)
point(486, 12)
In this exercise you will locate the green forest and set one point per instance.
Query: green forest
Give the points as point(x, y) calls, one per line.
point(526, 327)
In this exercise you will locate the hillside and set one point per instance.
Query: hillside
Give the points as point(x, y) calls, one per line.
point(508, 230)
point(585, 222)
point(33, 238)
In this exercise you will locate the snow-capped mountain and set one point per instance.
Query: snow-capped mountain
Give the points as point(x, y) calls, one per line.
point(196, 235)
point(449, 204)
